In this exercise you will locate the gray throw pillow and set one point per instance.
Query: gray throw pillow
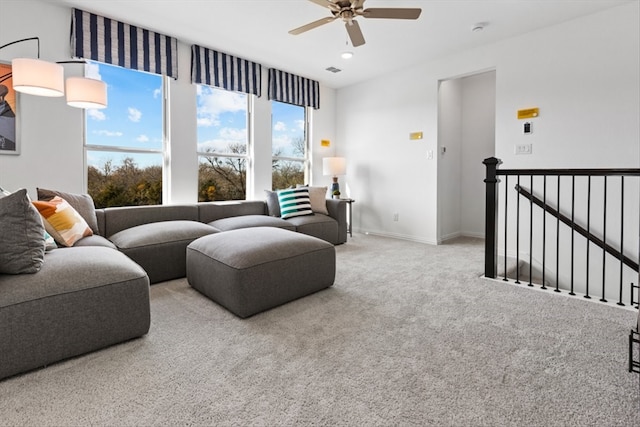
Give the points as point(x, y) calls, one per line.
point(21, 235)
point(83, 203)
point(273, 204)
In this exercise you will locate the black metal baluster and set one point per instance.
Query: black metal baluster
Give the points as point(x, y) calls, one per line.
point(531, 234)
point(588, 230)
point(518, 235)
point(506, 210)
point(544, 229)
point(573, 222)
point(558, 240)
point(621, 235)
point(604, 240)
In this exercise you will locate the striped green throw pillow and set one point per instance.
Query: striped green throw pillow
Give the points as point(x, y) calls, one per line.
point(294, 202)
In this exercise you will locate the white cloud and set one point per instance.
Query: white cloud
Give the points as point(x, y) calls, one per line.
point(300, 124)
point(157, 93)
point(108, 133)
point(226, 137)
point(281, 143)
point(142, 138)
point(279, 126)
point(204, 121)
point(212, 103)
point(92, 70)
point(134, 114)
point(233, 135)
point(96, 114)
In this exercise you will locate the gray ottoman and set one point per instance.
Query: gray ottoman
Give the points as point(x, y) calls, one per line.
point(254, 269)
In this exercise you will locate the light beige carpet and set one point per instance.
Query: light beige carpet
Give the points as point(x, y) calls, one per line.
point(409, 335)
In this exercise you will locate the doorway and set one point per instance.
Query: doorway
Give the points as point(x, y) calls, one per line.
point(466, 136)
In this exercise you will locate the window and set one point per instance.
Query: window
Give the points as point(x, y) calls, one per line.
point(124, 142)
point(289, 145)
point(222, 144)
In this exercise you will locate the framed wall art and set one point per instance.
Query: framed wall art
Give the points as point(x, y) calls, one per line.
point(8, 110)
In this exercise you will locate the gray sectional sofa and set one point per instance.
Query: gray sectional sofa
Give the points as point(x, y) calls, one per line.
point(156, 237)
point(96, 293)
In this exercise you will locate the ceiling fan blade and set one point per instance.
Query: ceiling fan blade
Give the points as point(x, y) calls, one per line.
point(391, 13)
point(355, 34)
point(326, 3)
point(357, 4)
point(312, 25)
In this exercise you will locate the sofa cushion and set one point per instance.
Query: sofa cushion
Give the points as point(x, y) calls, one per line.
point(156, 233)
point(62, 221)
point(211, 211)
point(83, 203)
point(321, 226)
point(122, 218)
point(160, 247)
point(294, 202)
point(21, 235)
point(248, 221)
point(95, 240)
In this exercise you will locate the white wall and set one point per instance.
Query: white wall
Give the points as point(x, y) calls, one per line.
point(51, 134)
point(478, 142)
point(450, 126)
point(585, 82)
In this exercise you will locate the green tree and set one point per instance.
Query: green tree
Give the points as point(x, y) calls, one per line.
point(223, 178)
point(125, 185)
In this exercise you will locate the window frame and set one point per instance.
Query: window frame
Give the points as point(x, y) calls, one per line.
point(306, 160)
point(165, 162)
point(248, 157)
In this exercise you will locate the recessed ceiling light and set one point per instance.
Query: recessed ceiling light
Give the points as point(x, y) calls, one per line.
point(346, 55)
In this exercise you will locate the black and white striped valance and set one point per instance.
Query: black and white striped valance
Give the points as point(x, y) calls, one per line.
point(292, 89)
point(113, 42)
point(225, 71)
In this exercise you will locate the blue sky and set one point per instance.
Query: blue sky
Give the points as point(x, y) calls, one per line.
point(133, 117)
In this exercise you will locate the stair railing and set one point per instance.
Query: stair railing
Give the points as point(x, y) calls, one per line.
point(566, 212)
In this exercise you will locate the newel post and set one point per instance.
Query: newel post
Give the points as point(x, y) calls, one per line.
point(491, 218)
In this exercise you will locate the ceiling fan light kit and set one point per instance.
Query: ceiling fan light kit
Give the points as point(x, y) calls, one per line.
point(348, 10)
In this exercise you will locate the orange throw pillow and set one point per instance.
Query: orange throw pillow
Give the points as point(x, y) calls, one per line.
point(62, 221)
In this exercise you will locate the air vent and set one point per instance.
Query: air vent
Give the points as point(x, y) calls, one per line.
point(334, 69)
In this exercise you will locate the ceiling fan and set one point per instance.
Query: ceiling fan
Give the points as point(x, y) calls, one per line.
point(348, 10)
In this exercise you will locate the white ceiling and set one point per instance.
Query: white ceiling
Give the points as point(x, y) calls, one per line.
point(257, 30)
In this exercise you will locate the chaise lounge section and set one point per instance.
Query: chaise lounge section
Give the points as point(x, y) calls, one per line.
point(82, 300)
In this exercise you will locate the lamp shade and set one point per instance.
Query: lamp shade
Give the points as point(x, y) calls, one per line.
point(86, 93)
point(37, 77)
point(334, 166)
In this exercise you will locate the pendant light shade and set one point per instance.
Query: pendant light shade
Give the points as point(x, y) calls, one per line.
point(86, 93)
point(37, 77)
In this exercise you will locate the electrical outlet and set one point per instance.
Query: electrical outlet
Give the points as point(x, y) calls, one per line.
point(395, 217)
point(523, 149)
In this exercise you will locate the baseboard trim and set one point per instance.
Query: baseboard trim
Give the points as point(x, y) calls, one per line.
point(399, 236)
point(460, 234)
